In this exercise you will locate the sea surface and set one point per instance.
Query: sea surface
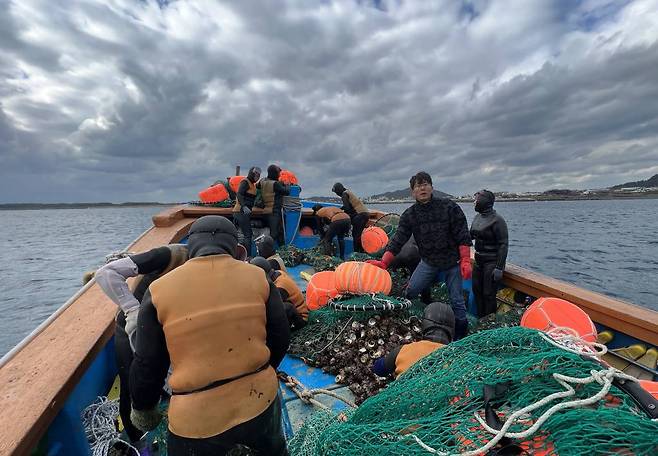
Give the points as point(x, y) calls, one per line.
point(606, 246)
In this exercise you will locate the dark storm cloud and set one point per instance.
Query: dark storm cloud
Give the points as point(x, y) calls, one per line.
point(154, 100)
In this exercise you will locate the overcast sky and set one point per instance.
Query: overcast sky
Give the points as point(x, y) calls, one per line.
point(122, 100)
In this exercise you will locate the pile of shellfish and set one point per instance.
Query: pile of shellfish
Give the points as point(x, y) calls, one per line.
point(353, 346)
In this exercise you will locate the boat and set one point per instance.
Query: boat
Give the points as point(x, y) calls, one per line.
point(48, 379)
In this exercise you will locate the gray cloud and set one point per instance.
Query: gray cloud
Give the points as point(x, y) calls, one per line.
point(140, 101)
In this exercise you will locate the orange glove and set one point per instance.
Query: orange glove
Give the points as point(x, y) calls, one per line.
point(386, 260)
point(465, 261)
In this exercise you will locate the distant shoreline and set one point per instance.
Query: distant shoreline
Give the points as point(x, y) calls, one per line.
point(537, 199)
point(36, 206)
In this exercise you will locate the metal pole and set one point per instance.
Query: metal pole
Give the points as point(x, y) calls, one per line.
point(237, 170)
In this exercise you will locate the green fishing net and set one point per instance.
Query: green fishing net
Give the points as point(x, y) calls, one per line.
point(432, 408)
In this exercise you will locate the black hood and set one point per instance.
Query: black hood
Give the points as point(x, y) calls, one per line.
point(438, 323)
point(212, 235)
point(253, 171)
point(273, 172)
point(265, 246)
point(484, 201)
point(338, 189)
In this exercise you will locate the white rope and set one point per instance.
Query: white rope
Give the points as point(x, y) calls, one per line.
point(603, 377)
point(569, 340)
point(98, 421)
point(307, 395)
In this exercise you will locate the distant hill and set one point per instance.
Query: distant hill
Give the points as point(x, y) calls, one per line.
point(651, 182)
point(324, 199)
point(403, 194)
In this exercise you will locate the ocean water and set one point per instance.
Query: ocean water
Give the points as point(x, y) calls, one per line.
point(605, 246)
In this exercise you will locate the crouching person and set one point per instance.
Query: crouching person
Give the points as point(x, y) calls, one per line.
point(222, 325)
point(291, 295)
point(438, 330)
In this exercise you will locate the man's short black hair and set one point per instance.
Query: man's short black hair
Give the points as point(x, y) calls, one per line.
point(420, 178)
point(316, 207)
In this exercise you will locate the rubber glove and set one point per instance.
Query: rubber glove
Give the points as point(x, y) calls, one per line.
point(146, 420)
point(465, 261)
point(246, 210)
point(497, 275)
point(386, 260)
point(131, 325)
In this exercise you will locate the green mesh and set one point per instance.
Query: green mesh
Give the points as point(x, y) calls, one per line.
point(436, 399)
point(389, 223)
point(223, 203)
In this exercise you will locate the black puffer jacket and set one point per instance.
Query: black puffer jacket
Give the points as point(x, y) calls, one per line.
point(439, 227)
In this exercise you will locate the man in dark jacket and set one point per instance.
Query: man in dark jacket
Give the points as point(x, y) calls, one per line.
point(489, 231)
point(222, 326)
point(357, 211)
point(272, 192)
point(441, 232)
point(244, 204)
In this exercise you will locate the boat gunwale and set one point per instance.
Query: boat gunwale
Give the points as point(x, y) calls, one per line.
point(41, 391)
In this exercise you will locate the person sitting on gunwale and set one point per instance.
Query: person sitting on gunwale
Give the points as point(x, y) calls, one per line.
point(438, 330)
point(338, 225)
point(222, 325)
point(291, 294)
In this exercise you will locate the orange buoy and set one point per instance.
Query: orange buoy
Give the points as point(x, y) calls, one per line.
point(234, 182)
point(288, 177)
point(373, 239)
point(306, 231)
point(358, 277)
point(547, 314)
point(214, 194)
point(651, 387)
point(320, 289)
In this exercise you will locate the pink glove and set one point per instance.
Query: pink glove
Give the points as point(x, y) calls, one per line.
point(386, 260)
point(465, 261)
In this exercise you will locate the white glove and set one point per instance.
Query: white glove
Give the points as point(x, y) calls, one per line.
point(131, 326)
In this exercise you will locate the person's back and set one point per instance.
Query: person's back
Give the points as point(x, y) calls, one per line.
point(211, 302)
point(222, 325)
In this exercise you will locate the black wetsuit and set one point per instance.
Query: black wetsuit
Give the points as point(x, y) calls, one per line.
point(243, 220)
point(152, 361)
point(489, 231)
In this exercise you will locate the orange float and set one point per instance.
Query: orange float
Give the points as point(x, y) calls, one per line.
point(234, 182)
point(373, 239)
point(288, 177)
point(358, 277)
point(320, 289)
point(546, 314)
point(213, 194)
point(651, 387)
point(306, 231)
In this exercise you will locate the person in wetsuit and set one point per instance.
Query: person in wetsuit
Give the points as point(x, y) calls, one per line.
point(272, 192)
point(111, 278)
point(438, 330)
point(338, 225)
point(265, 247)
point(222, 326)
point(244, 204)
point(441, 232)
point(291, 295)
point(489, 231)
point(357, 211)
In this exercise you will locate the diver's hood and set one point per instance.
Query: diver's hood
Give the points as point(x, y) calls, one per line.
point(265, 246)
point(484, 201)
point(338, 189)
point(212, 235)
point(273, 172)
point(438, 323)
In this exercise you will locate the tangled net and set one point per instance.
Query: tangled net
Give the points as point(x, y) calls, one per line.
point(453, 401)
